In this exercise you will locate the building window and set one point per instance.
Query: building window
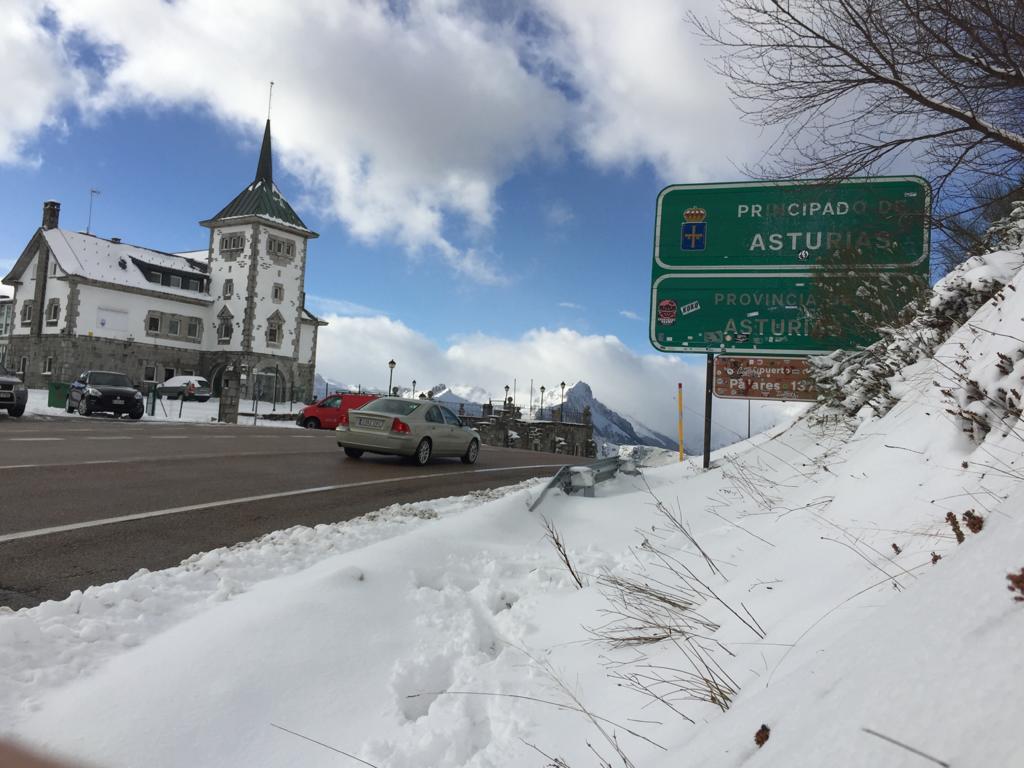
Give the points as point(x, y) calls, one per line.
point(153, 324)
point(275, 330)
point(225, 326)
point(53, 311)
point(149, 373)
point(174, 327)
point(229, 289)
point(53, 267)
point(168, 373)
point(278, 293)
point(26, 313)
point(188, 373)
point(48, 366)
point(193, 328)
point(279, 248)
point(235, 242)
point(193, 284)
point(175, 281)
point(154, 277)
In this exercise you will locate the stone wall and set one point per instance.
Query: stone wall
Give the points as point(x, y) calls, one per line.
point(71, 355)
point(504, 430)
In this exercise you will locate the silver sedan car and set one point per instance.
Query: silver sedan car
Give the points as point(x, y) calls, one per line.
point(400, 426)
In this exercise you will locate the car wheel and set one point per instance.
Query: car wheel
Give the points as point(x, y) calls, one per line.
point(312, 423)
point(202, 399)
point(423, 450)
point(83, 407)
point(353, 453)
point(69, 407)
point(136, 414)
point(16, 411)
point(469, 457)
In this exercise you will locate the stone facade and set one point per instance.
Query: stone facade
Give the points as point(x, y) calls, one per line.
point(505, 429)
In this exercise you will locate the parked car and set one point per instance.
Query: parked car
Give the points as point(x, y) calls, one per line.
point(327, 413)
point(178, 386)
point(96, 391)
point(400, 426)
point(13, 394)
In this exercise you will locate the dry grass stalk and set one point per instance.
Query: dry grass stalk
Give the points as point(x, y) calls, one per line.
point(563, 555)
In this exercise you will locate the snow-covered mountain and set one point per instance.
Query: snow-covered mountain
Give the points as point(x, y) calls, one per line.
point(610, 426)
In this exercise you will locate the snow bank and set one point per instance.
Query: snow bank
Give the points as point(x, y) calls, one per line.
point(810, 582)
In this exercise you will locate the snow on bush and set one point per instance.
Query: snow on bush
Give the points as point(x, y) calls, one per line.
point(853, 380)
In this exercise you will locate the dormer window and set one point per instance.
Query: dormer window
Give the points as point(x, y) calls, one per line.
point(175, 281)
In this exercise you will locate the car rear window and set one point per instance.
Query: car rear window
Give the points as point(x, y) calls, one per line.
point(109, 380)
point(389, 406)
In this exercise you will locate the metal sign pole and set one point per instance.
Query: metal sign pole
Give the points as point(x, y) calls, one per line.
point(680, 404)
point(709, 386)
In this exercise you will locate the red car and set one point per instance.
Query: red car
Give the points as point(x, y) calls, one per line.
point(327, 413)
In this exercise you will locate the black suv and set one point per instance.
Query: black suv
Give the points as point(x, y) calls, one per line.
point(13, 395)
point(105, 391)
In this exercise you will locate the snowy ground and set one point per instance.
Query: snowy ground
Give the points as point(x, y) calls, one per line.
point(175, 411)
point(809, 582)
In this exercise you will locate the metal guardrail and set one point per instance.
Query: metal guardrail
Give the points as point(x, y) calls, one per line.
point(575, 478)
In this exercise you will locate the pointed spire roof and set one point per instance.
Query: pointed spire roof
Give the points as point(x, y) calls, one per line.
point(265, 170)
point(262, 197)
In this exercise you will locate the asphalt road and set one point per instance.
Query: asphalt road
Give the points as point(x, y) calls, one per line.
point(85, 501)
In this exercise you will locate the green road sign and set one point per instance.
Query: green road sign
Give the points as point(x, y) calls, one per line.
point(790, 226)
point(734, 264)
point(740, 313)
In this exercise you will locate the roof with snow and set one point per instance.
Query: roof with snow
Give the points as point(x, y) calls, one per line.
point(122, 264)
point(262, 197)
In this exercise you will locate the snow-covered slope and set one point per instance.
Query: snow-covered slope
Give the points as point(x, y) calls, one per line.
point(805, 602)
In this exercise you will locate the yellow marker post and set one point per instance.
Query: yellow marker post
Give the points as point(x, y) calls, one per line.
point(680, 399)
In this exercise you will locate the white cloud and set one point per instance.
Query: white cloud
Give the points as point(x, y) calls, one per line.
point(356, 350)
point(38, 80)
point(398, 122)
point(569, 305)
point(629, 314)
point(558, 214)
point(339, 306)
point(646, 91)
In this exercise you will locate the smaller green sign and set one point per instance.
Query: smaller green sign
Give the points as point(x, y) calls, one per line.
point(741, 313)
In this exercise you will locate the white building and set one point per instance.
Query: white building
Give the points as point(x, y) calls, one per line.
point(84, 302)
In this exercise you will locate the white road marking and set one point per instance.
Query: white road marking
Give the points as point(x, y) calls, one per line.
point(248, 499)
point(168, 437)
point(32, 439)
point(112, 437)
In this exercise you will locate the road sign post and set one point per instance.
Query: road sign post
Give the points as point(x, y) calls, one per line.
point(736, 265)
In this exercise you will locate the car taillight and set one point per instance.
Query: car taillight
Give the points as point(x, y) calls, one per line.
point(400, 427)
point(344, 419)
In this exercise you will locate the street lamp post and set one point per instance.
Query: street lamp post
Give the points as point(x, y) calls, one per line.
point(542, 401)
point(561, 408)
point(505, 407)
point(414, 387)
point(391, 371)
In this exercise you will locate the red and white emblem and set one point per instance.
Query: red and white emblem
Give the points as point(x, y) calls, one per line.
point(667, 310)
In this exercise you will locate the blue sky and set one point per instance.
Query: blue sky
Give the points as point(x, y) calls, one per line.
point(483, 176)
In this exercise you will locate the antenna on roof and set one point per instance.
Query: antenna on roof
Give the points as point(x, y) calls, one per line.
point(92, 194)
point(270, 98)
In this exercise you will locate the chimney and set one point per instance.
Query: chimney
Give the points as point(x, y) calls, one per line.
point(51, 214)
point(115, 239)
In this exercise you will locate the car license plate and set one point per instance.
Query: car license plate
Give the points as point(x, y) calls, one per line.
point(118, 401)
point(375, 423)
point(6, 395)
